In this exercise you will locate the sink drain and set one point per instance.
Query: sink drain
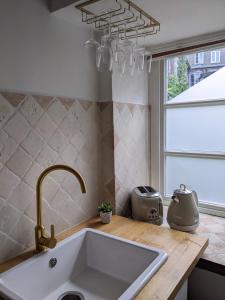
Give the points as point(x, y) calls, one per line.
point(71, 296)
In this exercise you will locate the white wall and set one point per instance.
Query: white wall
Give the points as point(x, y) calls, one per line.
point(131, 89)
point(41, 53)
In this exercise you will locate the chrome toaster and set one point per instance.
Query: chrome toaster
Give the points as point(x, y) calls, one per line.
point(147, 205)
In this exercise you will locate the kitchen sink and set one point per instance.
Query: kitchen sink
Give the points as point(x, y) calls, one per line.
point(89, 265)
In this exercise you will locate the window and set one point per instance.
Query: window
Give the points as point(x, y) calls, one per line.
point(195, 78)
point(199, 58)
point(188, 131)
point(215, 56)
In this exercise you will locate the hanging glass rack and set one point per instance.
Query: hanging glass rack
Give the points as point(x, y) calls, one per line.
point(100, 12)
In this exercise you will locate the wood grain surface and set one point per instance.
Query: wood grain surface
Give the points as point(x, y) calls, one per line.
point(183, 249)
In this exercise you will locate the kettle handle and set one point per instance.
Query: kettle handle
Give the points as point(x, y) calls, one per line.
point(175, 199)
point(195, 197)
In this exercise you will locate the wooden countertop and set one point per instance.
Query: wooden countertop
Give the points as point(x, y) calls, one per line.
point(183, 249)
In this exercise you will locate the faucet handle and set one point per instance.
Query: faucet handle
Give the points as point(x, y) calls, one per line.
point(52, 231)
point(52, 241)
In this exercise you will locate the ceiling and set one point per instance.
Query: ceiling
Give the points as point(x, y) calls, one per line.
point(179, 19)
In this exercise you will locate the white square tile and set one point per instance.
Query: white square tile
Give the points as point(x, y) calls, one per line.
point(59, 200)
point(50, 216)
point(68, 125)
point(33, 143)
point(71, 186)
point(45, 127)
point(67, 208)
point(20, 162)
point(6, 110)
point(17, 127)
point(8, 181)
point(2, 203)
point(78, 140)
point(31, 211)
point(10, 249)
point(7, 147)
point(32, 175)
point(2, 238)
point(49, 188)
point(31, 110)
point(69, 155)
point(47, 157)
point(57, 111)
point(8, 214)
point(22, 196)
point(3, 139)
point(58, 141)
point(23, 233)
point(59, 175)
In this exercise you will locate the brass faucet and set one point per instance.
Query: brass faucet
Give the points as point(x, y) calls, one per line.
point(41, 240)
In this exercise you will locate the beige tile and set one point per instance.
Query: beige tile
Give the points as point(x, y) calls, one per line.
point(10, 249)
point(6, 110)
point(44, 101)
point(22, 196)
point(49, 188)
point(17, 127)
point(69, 154)
point(31, 211)
point(51, 216)
point(68, 125)
point(47, 157)
point(68, 132)
point(9, 217)
point(33, 173)
point(31, 110)
point(67, 102)
point(33, 143)
point(45, 127)
point(78, 140)
point(23, 233)
point(15, 99)
point(57, 111)
point(7, 147)
point(58, 142)
point(20, 162)
point(8, 181)
point(2, 203)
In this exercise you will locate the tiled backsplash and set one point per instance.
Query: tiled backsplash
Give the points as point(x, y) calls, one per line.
point(106, 142)
point(132, 151)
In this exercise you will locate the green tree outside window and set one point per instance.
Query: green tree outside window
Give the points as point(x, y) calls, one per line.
point(178, 83)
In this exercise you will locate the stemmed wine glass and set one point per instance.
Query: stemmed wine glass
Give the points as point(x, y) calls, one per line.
point(126, 54)
point(104, 53)
point(91, 43)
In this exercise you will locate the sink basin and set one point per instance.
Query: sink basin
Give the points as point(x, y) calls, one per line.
point(93, 264)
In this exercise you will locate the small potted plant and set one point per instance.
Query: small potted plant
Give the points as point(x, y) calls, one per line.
point(105, 210)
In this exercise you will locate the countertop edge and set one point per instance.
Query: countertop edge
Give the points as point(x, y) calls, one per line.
point(195, 244)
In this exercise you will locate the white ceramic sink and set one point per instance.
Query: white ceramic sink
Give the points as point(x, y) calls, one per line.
point(95, 264)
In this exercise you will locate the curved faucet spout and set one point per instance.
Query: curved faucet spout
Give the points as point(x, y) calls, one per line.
point(40, 239)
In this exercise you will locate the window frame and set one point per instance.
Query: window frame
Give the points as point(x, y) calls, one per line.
point(199, 58)
point(159, 103)
point(215, 61)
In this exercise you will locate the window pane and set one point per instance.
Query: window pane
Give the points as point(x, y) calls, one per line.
point(185, 71)
point(196, 129)
point(205, 176)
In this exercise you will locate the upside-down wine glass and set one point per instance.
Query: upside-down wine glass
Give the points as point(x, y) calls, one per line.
point(91, 43)
point(104, 54)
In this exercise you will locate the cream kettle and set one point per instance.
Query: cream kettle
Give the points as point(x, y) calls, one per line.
point(183, 210)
